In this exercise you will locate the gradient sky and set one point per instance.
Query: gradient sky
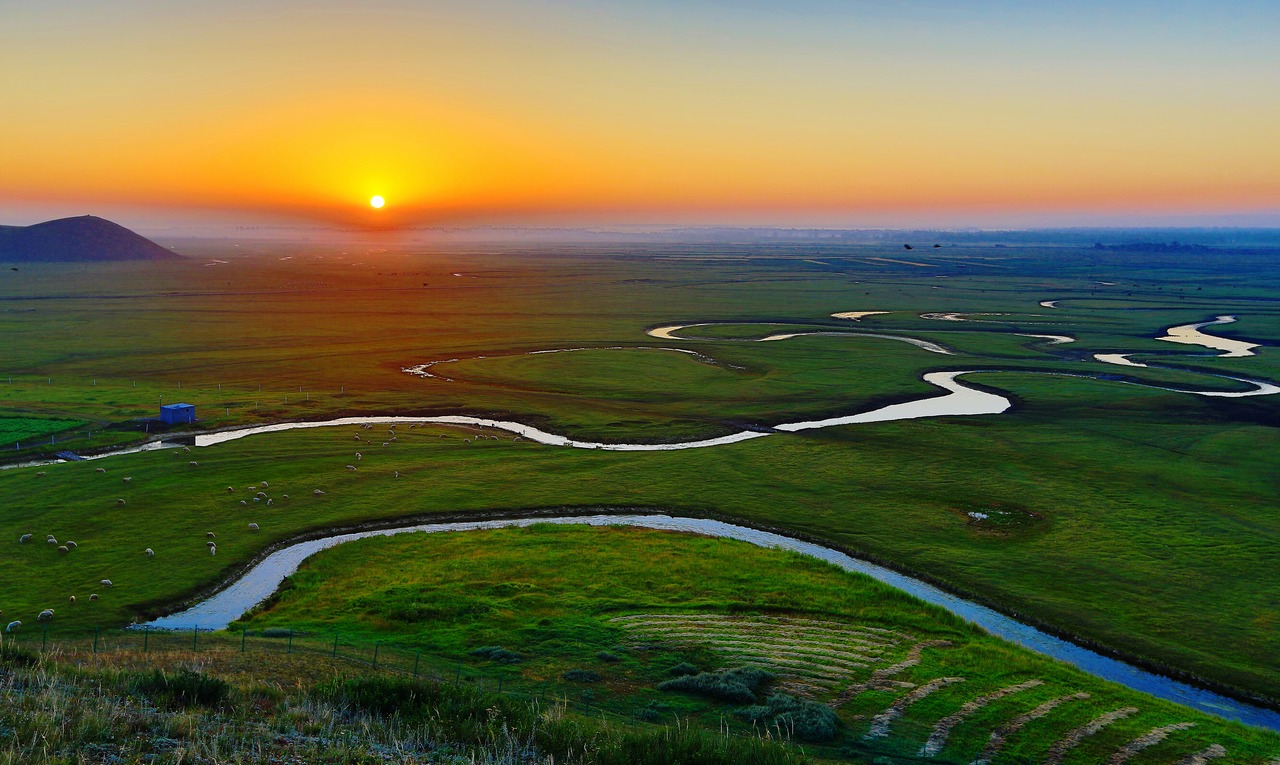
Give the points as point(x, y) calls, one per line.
point(807, 112)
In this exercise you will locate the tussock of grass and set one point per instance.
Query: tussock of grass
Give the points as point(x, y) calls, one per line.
point(801, 719)
point(738, 685)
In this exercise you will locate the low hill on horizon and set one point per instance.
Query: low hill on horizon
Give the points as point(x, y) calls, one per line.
point(86, 238)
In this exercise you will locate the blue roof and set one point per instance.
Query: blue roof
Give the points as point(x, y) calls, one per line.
point(178, 406)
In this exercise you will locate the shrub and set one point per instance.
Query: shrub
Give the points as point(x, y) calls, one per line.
point(18, 657)
point(682, 669)
point(802, 719)
point(497, 653)
point(183, 688)
point(647, 714)
point(582, 676)
point(608, 658)
point(276, 632)
point(737, 685)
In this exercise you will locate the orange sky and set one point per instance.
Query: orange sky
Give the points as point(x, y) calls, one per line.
point(496, 110)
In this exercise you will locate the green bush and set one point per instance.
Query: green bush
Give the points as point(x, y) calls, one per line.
point(801, 719)
point(183, 688)
point(682, 669)
point(497, 653)
point(608, 658)
point(737, 685)
point(582, 676)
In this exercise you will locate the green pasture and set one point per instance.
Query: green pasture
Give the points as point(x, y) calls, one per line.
point(1145, 518)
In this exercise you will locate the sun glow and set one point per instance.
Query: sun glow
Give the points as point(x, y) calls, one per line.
point(377, 202)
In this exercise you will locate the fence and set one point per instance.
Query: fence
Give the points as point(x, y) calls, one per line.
point(377, 655)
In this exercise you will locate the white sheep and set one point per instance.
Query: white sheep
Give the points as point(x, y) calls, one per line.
point(72, 545)
point(397, 473)
point(268, 501)
point(22, 540)
point(213, 550)
point(264, 484)
point(149, 553)
point(94, 596)
point(13, 626)
point(100, 470)
point(210, 534)
point(45, 615)
point(351, 467)
point(186, 448)
point(318, 493)
point(358, 437)
point(231, 490)
point(284, 496)
point(72, 600)
point(210, 543)
point(105, 583)
point(243, 502)
point(40, 474)
point(194, 463)
point(62, 550)
point(386, 443)
point(358, 456)
point(120, 501)
point(261, 495)
point(51, 541)
point(127, 478)
point(253, 527)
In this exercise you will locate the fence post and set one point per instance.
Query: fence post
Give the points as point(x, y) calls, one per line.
point(416, 658)
point(458, 677)
point(243, 634)
point(195, 635)
point(335, 645)
point(375, 654)
point(289, 649)
point(500, 679)
point(146, 638)
point(96, 631)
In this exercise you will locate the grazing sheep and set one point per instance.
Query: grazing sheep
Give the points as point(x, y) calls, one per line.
point(397, 473)
point(120, 501)
point(13, 627)
point(253, 527)
point(213, 550)
point(72, 545)
point(466, 440)
point(72, 599)
point(45, 615)
point(62, 550)
point(251, 488)
point(318, 493)
point(257, 499)
point(386, 443)
point(186, 448)
point(22, 540)
point(264, 484)
point(351, 467)
point(51, 541)
point(261, 495)
point(210, 544)
point(243, 502)
point(358, 456)
point(127, 478)
point(149, 553)
point(268, 501)
point(105, 583)
point(210, 534)
point(100, 470)
point(94, 596)
point(40, 474)
point(358, 437)
point(194, 463)
point(284, 496)
point(231, 490)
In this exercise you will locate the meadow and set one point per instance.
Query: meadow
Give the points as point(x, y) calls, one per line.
point(1149, 514)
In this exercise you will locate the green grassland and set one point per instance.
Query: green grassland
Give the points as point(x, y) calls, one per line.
point(551, 594)
point(1151, 525)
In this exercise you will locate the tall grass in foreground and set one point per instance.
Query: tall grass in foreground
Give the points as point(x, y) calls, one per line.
point(52, 713)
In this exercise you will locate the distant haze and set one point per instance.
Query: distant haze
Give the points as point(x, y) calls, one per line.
point(574, 113)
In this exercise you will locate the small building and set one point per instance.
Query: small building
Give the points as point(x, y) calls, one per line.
point(177, 414)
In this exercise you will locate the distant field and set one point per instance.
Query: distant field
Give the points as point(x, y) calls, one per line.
point(18, 429)
point(1149, 521)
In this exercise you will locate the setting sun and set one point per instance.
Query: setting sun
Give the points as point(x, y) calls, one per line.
point(377, 202)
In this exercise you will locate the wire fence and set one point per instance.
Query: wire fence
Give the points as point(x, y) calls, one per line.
point(378, 656)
